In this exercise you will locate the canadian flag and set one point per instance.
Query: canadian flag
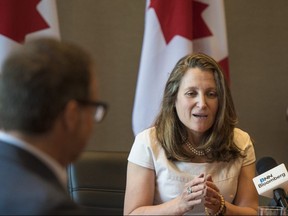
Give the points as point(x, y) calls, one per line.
point(174, 28)
point(22, 20)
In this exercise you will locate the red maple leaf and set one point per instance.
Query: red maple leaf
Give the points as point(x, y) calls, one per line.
point(224, 63)
point(181, 17)
point(19, 18)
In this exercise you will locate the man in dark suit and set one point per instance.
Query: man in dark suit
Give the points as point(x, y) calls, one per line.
point(48, 105)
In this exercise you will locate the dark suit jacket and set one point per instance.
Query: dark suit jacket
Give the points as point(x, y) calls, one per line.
point(29, 187)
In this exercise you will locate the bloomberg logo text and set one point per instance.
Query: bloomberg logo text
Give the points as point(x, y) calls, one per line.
point(269, 179)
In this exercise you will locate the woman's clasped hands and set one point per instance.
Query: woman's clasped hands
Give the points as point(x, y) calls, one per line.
point(214, 202)
point(193, 193)
point(201, 189)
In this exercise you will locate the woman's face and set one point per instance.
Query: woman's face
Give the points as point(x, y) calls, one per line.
point(197, 100)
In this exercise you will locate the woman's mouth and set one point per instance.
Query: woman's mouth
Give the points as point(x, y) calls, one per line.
point(200, 116)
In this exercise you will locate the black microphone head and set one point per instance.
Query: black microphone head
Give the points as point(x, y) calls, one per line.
point(264, 164)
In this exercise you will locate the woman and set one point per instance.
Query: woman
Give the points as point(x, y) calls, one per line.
point(193, 160)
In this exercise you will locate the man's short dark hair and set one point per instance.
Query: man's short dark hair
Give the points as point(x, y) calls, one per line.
point(38, 80)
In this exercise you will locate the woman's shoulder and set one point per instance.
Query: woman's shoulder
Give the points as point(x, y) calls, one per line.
point(147, 133)
point(145, 148)
point(240, 132)
point(147, 130)
point(242, 138)
point(148, 138)
point(244, 143)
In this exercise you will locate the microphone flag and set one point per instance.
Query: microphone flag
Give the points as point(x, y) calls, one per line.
point(270, 180)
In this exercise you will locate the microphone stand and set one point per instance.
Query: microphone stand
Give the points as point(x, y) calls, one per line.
point(280, 197)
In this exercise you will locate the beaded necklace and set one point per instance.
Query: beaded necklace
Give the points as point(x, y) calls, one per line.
point(197, 152)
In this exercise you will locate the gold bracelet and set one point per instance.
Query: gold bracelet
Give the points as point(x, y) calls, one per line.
point(221, 210)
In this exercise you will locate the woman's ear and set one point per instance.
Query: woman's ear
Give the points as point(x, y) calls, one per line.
point(71, 115)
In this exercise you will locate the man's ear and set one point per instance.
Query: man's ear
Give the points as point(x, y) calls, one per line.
point(71, 115)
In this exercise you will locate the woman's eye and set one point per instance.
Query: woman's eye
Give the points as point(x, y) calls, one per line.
point(191, 93)
point(212, 94)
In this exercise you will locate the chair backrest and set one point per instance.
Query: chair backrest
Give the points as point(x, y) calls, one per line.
point(97, 181)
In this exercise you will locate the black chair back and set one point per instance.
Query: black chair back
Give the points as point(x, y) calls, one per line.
point(97, 181)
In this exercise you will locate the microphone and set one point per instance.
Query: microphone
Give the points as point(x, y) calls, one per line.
point(272, 180)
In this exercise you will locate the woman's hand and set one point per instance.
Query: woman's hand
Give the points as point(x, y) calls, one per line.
point(192, 194)
point(213, 199)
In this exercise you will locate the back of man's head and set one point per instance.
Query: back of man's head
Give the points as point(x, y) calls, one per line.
point(38, 80)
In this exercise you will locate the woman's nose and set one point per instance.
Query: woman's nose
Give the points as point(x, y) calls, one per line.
point(201, 101)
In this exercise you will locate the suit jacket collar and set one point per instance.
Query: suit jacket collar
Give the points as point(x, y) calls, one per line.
point(28, 161)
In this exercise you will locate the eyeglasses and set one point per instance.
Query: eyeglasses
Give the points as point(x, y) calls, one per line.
point(101, 108)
